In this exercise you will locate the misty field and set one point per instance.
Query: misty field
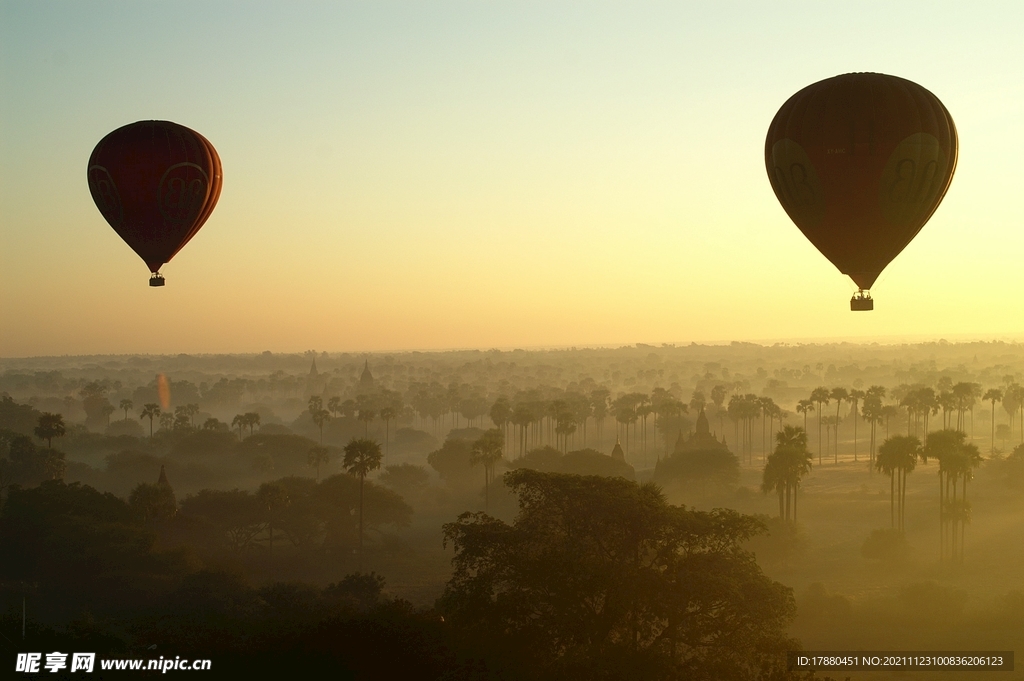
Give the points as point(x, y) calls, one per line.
point(289, 493)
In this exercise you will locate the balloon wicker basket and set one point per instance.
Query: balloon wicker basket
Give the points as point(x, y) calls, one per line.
point(862, 302)
point(156, 280)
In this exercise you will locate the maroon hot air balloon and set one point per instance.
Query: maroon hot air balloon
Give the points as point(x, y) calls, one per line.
point(860, 162)
point(156, 183)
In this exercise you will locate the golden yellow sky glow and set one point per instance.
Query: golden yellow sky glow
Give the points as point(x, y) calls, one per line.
point(401, 177)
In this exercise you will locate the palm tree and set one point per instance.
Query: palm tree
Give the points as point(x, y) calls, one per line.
point(766, 405)
point(272, 497)
point(126, 405)
point(957, 459)
point(317, 456)
point(150, 411)
point(821, 397)
point(522, 417)
point(1013, 397)
point(582, 410)
point(965, 395)
point(897, 456)
point(565, 425)
point(321, 417)
point(239, 421)
point(367, 411)
point(333, 405)
point(804, 407)
point(192, 410)
point(718, 394)
point(643, 411)
point(855, 397)
point(599, 404)
point(840, 395)
point(786, 466)
point(831, 422)
point(962, 468)
point(361, 457)
point(49, 426)
point(927, 404)
point(774, 479)
point(889, 411)
point(947, 403)
point(993, 395)
point(871, 410)
point(386, 415)
point(252, 419)
point(107, 410)
point(501, 414)
point(487, 451)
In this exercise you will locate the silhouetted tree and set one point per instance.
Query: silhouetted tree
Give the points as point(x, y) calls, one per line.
point(151, 411)
point(318, 455)
point(333, 405)
point(49, 427)
point(252, 419)
point(855, 397)
point(897, 456)
point(487, 451)
point(786, 466)
point(957, 461)
point(820, 396)
point(320, 418)
point(993, 395)
point(361, 457)
point(840, 395)
point(601, 578)
point(366, 405)
point(273, 500)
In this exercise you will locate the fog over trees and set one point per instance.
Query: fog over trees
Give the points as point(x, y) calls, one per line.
point(649, 512)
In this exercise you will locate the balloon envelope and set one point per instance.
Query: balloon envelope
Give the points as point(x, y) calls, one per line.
point(860, 162)
point(156, 183)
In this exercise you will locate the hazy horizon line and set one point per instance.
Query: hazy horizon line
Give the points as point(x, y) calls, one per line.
point(885, 340)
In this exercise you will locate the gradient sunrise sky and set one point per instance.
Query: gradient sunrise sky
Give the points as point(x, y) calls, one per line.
point(482, 174)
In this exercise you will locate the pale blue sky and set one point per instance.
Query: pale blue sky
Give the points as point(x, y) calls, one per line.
point(431, 175)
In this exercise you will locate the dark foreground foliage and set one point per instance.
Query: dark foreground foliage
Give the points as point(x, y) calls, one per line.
point(597, 578)
point(600, 578)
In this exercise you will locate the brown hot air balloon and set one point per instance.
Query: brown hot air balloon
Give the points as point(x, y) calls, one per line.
point(860, 162)
point(156, 183)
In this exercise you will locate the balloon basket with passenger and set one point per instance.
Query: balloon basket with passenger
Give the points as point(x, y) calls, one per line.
point(862, 301)
point(156, 280)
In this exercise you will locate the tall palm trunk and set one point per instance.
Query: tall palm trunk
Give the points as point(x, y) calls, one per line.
point(819, 433)
point(839, 404)
point(992, 446)
point(942, 520)
point(963, 519)
point(361, 477)
point(854, 413)
point(892, 499)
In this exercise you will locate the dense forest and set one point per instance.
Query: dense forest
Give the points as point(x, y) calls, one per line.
point(637, 512)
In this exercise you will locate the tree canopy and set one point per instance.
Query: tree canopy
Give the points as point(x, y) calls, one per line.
point(601, 578)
